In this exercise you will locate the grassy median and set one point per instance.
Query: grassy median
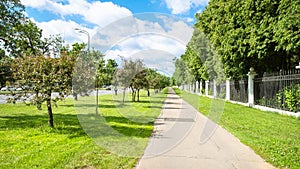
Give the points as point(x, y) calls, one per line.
point(28, 142)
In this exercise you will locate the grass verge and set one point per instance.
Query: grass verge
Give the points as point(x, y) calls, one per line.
point(275, 137)
point(28, 142)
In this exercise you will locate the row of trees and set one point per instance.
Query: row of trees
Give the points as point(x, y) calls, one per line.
point(136, 76)
point(74, 71)
point(42, 66)
point(237, 35)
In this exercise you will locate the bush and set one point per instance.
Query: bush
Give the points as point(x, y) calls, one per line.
point(289, 97)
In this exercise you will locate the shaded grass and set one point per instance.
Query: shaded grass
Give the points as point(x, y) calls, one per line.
point(274, 137)
point(28, 142)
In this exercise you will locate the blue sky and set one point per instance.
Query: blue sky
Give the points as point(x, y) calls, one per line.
point(100, 17)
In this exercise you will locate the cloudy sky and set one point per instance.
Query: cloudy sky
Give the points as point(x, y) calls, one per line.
point(155, 31)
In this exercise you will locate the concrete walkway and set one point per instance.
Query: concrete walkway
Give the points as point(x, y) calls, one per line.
point(175, 143)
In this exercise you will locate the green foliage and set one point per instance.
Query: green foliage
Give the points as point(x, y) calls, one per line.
point(5, 70)
point(199, 62)
point(152, 78)
point(164, 81)
point(43, 76)
point(18, 34)
point(134, 75)
point(110, 69)
point(260, 34)
point(106, 71)
point(290, 97)
point(84, 72)
point(181, 75)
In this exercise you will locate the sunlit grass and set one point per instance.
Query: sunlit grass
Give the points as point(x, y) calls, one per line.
point(273, 136)
point(28, 142)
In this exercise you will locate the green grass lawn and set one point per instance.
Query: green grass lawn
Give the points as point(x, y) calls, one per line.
point(274, 137)
point(28, 142)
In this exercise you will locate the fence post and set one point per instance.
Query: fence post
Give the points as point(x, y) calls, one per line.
point(227, 89)
point(214, 88)
point(251, 75)
point(200, 88)
point(206, 87)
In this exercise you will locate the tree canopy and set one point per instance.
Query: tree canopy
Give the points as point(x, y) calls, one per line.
point(43, 76)
point(18, 34)
point(262, 34)
point(134, 75)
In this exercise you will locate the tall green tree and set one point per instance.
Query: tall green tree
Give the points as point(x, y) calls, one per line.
point(181, 72)
point(124, 74)
point(84, 73)
point(18, 34)
point(110, 69)
point(5, 69)
point(132, 75)
point(45, 75)
point(138, 82)
point(153, 80)
point(252, 34)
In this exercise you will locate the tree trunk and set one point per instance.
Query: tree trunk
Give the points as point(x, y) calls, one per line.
point(148, 93)
point(75, 97)
point(97, 98)
point(133, 95)
point(50, 115)
point(38, 103)
point(138, 95)
point(124, 95)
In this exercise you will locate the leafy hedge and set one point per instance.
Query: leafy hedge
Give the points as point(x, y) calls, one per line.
point(289, 97)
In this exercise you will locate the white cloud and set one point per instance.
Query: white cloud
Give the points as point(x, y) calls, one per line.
point(178, 6)
point(126, 28)
point(65, 29)
point(98, 13)
point(200, 11)
point(190, 19)
point(156, 51)
point(182, 6)
point(35, 3)
point(103, 13)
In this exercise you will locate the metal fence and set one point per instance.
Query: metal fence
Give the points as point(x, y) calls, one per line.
point(239, 90)
point(276, 90)
point(279, 90)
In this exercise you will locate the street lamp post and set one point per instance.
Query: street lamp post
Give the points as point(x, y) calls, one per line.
point(88, 35)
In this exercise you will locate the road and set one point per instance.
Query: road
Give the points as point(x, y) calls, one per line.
point(3, 98)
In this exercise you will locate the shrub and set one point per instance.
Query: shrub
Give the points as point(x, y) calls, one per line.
point(289, 97)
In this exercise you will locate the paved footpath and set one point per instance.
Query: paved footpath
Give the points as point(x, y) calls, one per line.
point(175, 143)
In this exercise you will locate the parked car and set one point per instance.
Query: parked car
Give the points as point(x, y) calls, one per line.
point(11, 88)
point(3, 88)
point(109, 87)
